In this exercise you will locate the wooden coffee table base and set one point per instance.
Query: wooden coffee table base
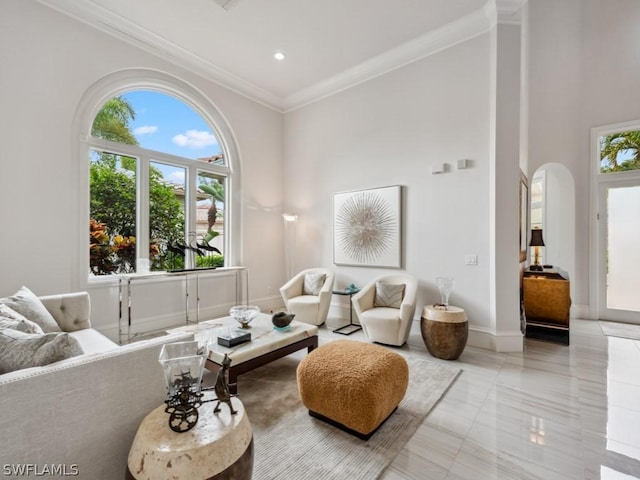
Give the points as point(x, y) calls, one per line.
point(309, 343)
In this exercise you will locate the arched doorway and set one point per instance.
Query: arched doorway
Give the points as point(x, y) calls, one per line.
point(552, 209)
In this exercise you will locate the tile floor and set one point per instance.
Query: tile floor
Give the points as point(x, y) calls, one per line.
point(550, 412)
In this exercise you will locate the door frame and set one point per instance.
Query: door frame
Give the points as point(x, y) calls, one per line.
point(599, 184)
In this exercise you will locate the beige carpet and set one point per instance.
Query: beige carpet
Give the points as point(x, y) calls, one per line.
point(624, 330)
point(289, 444)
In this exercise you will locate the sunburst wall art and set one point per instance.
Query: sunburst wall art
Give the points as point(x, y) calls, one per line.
point(366, 227)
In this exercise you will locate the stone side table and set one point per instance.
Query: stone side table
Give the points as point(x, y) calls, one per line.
point(219, 447)
point(444, 332)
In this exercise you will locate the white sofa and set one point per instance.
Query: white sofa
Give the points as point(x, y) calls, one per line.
point(80, 414)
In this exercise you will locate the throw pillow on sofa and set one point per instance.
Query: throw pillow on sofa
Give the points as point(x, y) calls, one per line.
point(20, 350)
point(25, 302)
point(9, 318)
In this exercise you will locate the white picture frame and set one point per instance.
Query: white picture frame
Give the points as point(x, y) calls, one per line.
point(367, 227)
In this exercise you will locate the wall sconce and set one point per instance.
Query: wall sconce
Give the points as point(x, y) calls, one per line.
point(290, 220)
point(536, 243)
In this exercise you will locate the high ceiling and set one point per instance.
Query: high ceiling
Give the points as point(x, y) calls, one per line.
point(329, 44)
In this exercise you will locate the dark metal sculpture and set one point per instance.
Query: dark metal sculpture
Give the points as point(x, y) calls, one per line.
point(182, 407)
point(222, 387)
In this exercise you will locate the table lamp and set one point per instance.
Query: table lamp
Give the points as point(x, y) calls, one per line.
point(536, 243)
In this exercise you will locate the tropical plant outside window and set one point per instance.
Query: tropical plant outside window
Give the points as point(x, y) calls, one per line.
point(620, 152)
point(151, 206)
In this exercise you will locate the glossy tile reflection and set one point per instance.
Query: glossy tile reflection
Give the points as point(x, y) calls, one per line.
point(550, 412)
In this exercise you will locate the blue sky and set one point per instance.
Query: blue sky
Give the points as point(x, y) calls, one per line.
point(168, 125)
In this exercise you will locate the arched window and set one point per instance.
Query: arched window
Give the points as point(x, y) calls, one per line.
point(159, 178)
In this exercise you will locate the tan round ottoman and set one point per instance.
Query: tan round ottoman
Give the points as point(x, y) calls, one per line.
point(352, 385)
point(444, 332)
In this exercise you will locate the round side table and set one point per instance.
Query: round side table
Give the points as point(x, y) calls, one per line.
point(219, 447)
point(444, 331)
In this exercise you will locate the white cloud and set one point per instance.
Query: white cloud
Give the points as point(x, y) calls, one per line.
point(145, 130)
point(194, 139)
point(177, 177)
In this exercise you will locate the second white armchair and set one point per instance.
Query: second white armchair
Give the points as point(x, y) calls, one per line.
point(385, 308)
point(308, 295)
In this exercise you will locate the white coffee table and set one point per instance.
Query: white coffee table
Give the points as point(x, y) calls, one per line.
point(266, 344)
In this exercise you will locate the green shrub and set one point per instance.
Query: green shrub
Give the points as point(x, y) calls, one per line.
point(210, 261)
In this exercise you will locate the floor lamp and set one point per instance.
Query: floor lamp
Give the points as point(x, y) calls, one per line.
point(290, 220)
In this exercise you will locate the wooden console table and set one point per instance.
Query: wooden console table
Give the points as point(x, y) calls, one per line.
point(547, 304)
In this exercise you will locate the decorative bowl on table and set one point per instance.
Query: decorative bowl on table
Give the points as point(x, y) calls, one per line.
point(282, 321)
point(244, 314)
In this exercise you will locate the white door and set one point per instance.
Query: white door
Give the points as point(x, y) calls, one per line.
point(619, 250)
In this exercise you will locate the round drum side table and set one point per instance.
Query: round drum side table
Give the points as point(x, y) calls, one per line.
point(219, 447)
point(444, 331)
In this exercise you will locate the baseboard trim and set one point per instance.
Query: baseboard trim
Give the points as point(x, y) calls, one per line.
point(505, 342)
point(581, 311)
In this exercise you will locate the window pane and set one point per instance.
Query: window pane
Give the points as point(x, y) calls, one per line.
point(623, 255)
point(112, 213)
point(210, 203)
point(166, 216)
point(165, 124)
point(620, 152)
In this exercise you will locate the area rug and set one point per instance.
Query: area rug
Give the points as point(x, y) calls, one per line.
point(289, 444)
point(623, 330)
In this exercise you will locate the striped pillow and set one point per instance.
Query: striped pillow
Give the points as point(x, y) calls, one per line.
point(388, 295)
point(313, 283)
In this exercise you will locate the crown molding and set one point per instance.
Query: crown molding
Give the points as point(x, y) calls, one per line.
point(454, 33)
point(458, 31)
point(115, 25)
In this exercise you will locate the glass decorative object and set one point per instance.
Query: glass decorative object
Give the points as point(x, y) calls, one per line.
point(244, 314)
point(183, 365)
point(445, 286)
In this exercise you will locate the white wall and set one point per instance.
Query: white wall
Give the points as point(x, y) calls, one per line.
point(389, 131)
point(505, 188)
point(584, 72)
point(48, 62)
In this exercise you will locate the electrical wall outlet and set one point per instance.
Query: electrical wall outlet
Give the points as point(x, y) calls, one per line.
point(471, 259)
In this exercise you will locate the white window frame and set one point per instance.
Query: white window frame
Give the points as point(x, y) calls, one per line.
point(145, 158)
point(144, 79)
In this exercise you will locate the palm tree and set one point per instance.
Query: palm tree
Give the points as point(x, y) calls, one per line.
point(612, 146)
point(112, 121)
point(216, 190)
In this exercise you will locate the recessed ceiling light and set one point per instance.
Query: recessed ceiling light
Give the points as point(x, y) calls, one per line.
point(279, 56)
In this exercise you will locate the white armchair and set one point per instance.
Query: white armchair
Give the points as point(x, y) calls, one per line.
point(386, 315)
point(310, 302)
